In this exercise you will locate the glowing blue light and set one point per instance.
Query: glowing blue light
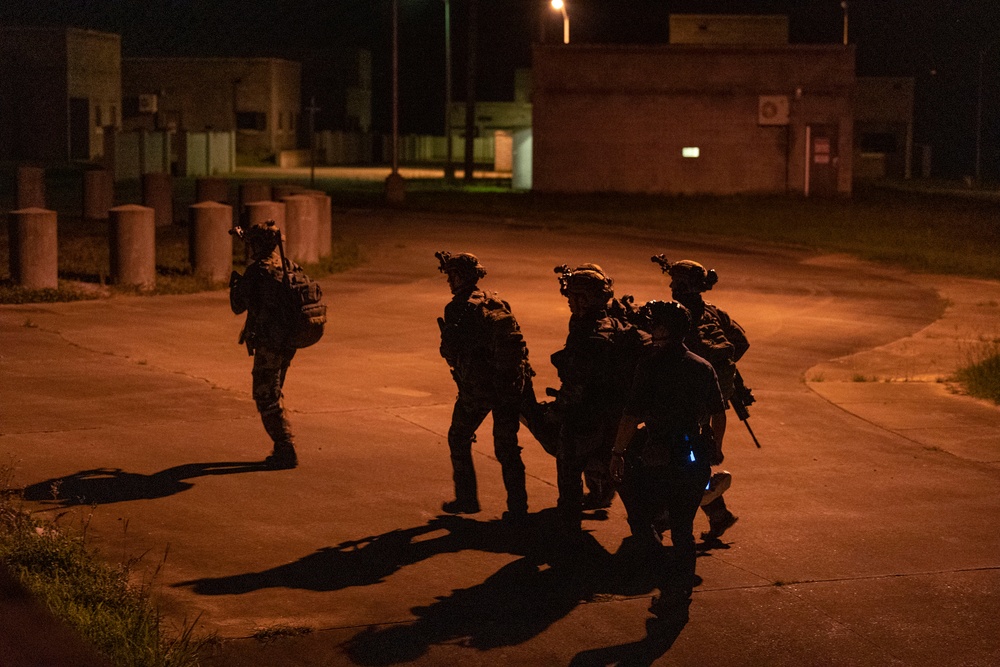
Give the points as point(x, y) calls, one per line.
point(692, 457)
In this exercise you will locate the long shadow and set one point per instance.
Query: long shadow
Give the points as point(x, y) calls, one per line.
point(659, 638)
point(101, 486)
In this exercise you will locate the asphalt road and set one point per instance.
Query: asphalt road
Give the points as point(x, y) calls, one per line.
point(867, 521)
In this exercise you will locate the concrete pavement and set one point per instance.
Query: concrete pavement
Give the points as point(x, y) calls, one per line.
point(867, 522)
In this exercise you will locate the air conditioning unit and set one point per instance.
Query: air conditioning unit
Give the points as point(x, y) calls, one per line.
point(772, 110)
point(147, 103)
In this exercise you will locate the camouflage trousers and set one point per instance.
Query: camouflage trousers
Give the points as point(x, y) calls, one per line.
point(466, 417)
point(269, 369)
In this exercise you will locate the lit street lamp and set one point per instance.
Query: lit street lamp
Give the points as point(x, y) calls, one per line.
point(561, 6)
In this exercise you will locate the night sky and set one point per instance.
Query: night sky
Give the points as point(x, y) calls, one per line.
point(938, 42)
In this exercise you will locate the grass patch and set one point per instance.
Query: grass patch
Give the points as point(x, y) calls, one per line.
point(981, 376)
point(100, 601)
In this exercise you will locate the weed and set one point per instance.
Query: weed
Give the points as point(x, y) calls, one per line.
point(981, 375)
point(114, 615)
point(860, 377)
point(29, 324)
point(278, 631)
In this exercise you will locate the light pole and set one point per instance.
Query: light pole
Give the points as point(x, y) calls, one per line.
point(843, 5)
point(394, 185)
point(449, 168)
point(561, 6)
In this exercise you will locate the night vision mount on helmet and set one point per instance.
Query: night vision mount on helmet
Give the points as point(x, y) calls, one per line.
point(693, 271)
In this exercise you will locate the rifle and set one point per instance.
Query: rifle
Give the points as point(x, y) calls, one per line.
point(741, 400)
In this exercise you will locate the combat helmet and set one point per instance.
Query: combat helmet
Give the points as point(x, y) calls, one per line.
point(262, 238)
point(466, 265)
point(691, 272)
point(587, 279)
point(670, 314)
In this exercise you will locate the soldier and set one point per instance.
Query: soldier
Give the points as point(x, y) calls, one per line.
point(717, 338)
point(484, 348)
point(676, 395)
point(260, 293)
point(595, 367)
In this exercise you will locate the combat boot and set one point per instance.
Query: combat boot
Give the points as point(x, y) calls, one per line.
point(466, 492)
point(283, 457)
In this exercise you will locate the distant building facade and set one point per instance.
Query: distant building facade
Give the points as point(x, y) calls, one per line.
point(883, 127)
point(60, 91)
point(727, 107)
point(258, 98)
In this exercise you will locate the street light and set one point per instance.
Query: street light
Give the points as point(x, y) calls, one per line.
point(561, 6)
point(843, 5)
point(395, 186)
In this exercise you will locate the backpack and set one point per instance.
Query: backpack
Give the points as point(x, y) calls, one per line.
point(307, 313)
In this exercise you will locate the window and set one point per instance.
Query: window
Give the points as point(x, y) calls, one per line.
point(251, 120)
point(690, 151)
point(97, 117)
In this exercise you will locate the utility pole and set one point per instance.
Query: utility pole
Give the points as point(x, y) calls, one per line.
point(312, 109)
point(449, 167)
point(470, 94)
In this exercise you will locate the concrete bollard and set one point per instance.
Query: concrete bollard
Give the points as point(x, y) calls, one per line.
point(210, 244)
point(158, 194)
point(212, 189)
point(259, 212)
point(98, 194)
point(251, 191)
point(30, 187)
point(282, 190)
point(324, 221)
point(301, 228)
point(33, 248)
point(132, 240)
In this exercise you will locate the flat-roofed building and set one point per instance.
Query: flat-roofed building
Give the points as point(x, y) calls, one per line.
point(258, 98)
point(60, 88)
point(693, 118)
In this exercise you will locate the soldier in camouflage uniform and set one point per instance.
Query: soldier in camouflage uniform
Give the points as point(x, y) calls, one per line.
point(595, 369)
point(718, 339)
point(484, 348)
point(259, 293)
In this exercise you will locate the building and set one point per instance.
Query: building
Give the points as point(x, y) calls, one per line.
point(258, 98)
point(883, 127)
point(732, 114)
point(60, 89)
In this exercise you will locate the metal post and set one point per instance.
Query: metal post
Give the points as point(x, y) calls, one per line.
point(312, 140)
point(565, 25)
point(395, 86)
point(449, 167)
point(979, 118)
point(470, 94)
point(843, 5)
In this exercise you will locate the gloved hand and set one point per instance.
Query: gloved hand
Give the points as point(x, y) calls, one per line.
point(234, 278)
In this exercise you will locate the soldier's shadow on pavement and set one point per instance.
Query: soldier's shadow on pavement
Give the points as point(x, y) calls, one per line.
point(643, 653)
point(101, 486)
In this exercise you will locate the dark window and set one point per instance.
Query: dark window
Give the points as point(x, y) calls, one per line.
point(130, 106)
point(97, 116)
point(281, 120)
point(251, 120)
point(878, 142)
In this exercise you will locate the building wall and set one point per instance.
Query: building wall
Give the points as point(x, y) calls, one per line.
point(257, 97)
point(615, 119)
point(94, 72)
point(883, 118)
point(53, 80)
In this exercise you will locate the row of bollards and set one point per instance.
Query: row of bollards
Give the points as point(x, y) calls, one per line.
point(305, 217)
